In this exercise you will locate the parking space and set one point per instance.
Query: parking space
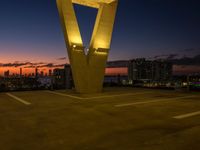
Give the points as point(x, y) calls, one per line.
point(119, 119)
point(18, 99)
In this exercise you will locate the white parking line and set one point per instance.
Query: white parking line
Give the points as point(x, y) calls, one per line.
point(152, 101)
point(18, 99)
point(117, 95)
point(187, 115)
point(61, 94)
point(97, 97)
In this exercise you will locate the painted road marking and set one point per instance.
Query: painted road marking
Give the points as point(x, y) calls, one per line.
point(117, 95)
point(61, 94)
point(187, 115)
point(152, 101)
point(97, 97)
point(18, 99)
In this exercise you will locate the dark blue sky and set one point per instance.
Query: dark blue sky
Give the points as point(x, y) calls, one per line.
point(30, 29)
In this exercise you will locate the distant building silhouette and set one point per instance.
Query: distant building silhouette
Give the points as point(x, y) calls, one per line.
point(63, 78)
point(42, 73)
point(142, 69)
point(20, 72)
point(36, 72)
point(50, 72)
point(68, 77)
point(7, 73)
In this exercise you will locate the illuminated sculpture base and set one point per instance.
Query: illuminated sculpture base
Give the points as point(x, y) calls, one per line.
point(88, 69)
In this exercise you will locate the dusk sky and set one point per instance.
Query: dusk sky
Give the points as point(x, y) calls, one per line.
point(30, 31)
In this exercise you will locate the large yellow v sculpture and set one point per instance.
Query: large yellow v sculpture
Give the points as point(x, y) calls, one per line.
point(88, 69)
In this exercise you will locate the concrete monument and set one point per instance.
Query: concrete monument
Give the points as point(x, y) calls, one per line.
point(88, 69)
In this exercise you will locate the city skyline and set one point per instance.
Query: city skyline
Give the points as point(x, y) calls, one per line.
point(181, 66)
point(31, 71)
point(150, 29)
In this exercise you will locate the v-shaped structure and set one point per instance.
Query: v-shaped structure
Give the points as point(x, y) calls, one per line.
point(88, 69)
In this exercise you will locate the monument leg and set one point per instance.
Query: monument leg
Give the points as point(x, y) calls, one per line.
point(88, 70)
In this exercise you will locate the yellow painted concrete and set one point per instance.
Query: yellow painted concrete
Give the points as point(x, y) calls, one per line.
point(88, 69)
point(92, 3)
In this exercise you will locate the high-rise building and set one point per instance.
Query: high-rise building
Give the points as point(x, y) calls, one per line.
point(20, 72)
point(63, 77)
point(6, 73)
point(42, 73)
point(50, 72)
point(162, 70)
point(68, 77)
point(36, 72)
point(139, 69)
point(142, 69)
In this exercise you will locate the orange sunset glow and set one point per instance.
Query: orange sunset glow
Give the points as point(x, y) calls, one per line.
point(16, 70)
point(177, 69)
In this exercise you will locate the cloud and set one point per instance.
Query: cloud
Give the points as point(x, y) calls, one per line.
point(186, 69)
point(20, 64)
point(46, 65)
point(51, 65)
point(166, 56)
point(62, 58)
point(60, 65)
point(180, 60)
point(15, 64)
point(159, 56)
point(31, 64)
point(195, 61)
point(191, 50)
point(172, 56)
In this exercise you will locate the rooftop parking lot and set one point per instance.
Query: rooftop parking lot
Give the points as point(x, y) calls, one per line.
point(117, 119)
